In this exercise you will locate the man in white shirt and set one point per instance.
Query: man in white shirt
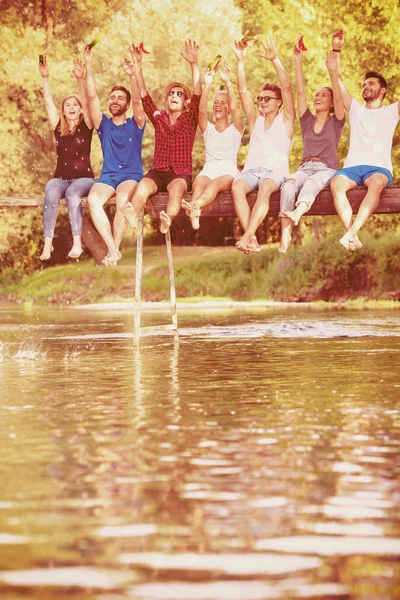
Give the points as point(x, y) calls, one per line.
point(368, 161)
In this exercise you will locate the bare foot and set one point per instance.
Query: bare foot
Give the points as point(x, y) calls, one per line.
point(75, 251)
point(129, 214)
point(285, 240)
point(47, 250)
point(350, 243)
point(111, 259)
point(292, 215)
point(165, 222)
point(248, 245)
point(187, 205)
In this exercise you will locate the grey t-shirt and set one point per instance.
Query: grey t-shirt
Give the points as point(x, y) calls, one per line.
point(323, 144)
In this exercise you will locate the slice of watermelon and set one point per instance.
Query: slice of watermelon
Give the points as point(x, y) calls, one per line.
point(301, 45)
point(93, 43)
point(214, 64)
point(143, 49)
point(248, 39)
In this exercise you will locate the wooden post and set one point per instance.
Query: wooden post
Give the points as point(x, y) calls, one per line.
point(138, 279)
point(172, 284)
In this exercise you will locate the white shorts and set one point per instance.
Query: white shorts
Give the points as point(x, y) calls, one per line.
point(218, 168)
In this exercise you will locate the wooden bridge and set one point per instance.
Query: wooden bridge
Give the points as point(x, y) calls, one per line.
point(221, 207)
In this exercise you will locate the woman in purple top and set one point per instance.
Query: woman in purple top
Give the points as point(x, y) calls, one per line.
point(321, 133)
point(73, 129)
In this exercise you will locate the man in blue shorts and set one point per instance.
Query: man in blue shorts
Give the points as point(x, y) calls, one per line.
point(368, 161)
point(121, 142)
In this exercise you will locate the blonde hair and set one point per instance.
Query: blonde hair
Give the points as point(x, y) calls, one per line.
point(63, 126)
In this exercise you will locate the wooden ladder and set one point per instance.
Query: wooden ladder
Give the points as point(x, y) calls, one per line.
point(137, 330)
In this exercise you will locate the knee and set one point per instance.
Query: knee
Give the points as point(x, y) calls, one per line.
point(238, 190)
point(289, 187)
point(52, 191)
point(72, 198)
point(377, 184)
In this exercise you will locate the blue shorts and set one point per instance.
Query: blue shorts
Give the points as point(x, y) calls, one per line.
point(115, 179)
point(360, 173)
point(253, 177)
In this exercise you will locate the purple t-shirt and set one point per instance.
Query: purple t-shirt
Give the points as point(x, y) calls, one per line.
point(73, 153)
point(323, 144)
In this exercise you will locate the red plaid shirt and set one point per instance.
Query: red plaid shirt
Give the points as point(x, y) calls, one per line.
point(173, 143)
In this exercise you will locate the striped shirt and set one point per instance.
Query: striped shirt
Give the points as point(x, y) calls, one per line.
point(221, 145)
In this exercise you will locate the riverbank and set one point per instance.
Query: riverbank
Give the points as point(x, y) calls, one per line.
point(312, 272)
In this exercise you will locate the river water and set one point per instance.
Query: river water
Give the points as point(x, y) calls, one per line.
point(256, 459)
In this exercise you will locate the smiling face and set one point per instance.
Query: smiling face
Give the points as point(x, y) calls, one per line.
point(372, 89)
point(176, 99)
point(323, 100)
point(118, 103)
point(220, 106)
point(71, 108)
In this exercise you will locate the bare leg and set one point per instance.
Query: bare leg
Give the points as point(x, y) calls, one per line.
point(144, 189)
point(375, 184)
point(208, 194)
point(240, 189)
point(286, 234)
point(176, 190)
point(340, 185)
point(123, 193)
point(98, 196)
point(260, 209)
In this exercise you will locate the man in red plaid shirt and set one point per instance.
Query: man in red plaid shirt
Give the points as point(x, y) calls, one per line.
point(175, 129)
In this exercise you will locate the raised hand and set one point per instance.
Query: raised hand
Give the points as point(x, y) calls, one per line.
point(225, 73)
point(338, 40)
point(136, 53)
point(129, 67)
point(297, 52)
point(191, 51)
point(43, 67)
point(87, 54)
point(331, 62)
point(209, 76)
point(270, 49)
point(79, 70)
point(239, 49)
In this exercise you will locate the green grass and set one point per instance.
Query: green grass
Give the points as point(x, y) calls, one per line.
point(322, 272)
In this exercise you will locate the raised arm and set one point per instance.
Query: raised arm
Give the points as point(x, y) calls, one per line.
point(337, 45)
point(191, 56)
point(136, 98)
point(225, 75)
point(271, 53)
point(137, 55)
point(51, 109)
point(333, 67)
point(203, 104)
point(300, 84)
point(94, 102)
point(79, 72)
point(246, 98)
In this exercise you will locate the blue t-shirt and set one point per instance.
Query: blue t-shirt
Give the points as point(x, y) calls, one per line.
point(122, 146)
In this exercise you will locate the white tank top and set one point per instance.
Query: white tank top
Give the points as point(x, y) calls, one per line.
point(269, 148)
point(221, 145)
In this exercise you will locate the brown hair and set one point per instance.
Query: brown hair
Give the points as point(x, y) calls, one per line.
point(379, 77)
point(63, 125)
point(121, 88)
point(272, 87)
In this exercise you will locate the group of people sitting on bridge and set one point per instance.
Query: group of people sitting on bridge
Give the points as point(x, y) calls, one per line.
point(271, 127)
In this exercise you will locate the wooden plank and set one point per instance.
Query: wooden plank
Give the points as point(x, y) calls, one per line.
point(223, 204)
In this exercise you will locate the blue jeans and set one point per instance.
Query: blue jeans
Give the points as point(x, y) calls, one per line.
point(70, 189)
point(311, 178)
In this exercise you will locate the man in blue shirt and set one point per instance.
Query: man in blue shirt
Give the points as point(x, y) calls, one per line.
point(121, 142)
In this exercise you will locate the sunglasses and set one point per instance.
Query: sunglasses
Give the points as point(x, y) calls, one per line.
point(178, 93)
point(266, 98)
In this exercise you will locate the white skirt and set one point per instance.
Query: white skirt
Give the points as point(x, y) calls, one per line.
point(217, 168)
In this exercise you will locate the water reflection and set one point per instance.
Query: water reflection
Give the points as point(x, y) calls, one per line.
point(257, 458)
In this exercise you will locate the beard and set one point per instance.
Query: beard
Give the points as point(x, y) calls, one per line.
point(116, 112)
point(369, 95)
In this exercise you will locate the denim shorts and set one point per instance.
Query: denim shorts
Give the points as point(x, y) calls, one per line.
point(115, 179)
point(253, 177)
point(360, 173)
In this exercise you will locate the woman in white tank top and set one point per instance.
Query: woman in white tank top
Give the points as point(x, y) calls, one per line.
point(222, 141)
